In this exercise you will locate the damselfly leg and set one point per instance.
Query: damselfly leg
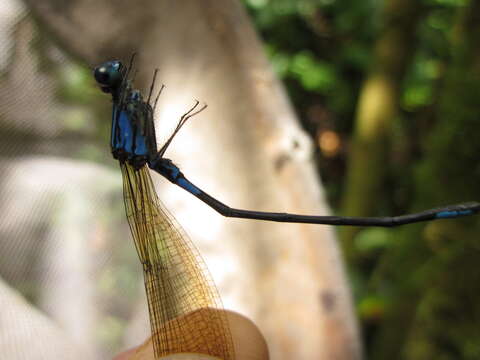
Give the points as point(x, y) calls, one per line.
point(194, 110)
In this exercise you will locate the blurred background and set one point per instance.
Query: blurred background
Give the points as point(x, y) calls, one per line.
point(315, 106)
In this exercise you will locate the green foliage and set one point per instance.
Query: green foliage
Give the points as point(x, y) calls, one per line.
point(314, 75)
point(76, 84)
point(448, 3)
point(371, 308)
point(419, 89)
point(372, 239)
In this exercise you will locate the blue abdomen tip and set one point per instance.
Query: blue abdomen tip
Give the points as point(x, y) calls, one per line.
point(452, 214)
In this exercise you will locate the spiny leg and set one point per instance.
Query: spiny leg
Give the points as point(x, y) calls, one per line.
point(134, 76)
point(183, 119)
point(125, 80)
point(190, 113)
point(156, 99)
point(130, 66)
point(152, 85)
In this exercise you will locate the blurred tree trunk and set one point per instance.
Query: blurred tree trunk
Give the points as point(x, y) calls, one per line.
point(248, 150)
point(435, 311)
point(376, 111)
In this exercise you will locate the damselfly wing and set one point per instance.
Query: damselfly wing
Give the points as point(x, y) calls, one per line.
point(179, 288)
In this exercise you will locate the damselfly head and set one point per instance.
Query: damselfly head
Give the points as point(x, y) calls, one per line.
point(109, 75)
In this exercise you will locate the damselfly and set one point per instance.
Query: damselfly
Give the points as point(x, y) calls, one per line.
point(183, 303)
point(175, 276)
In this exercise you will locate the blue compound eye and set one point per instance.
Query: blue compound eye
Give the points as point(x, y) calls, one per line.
point(109, 75)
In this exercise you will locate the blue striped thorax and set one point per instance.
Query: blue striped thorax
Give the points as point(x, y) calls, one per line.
point(129, 140)
point(133, 132)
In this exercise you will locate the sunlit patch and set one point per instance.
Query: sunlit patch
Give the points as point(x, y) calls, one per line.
point(168, 114)
point(329, 143)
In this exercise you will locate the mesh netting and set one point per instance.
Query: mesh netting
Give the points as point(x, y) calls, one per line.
point(70, 283)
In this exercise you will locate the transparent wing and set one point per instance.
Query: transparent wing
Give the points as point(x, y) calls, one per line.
point(182, 298)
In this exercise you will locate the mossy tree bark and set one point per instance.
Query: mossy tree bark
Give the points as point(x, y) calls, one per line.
point(376, 111)
point(435, 309)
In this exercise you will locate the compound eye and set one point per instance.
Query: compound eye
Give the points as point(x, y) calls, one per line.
point(101, 75)
point(109, 74)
